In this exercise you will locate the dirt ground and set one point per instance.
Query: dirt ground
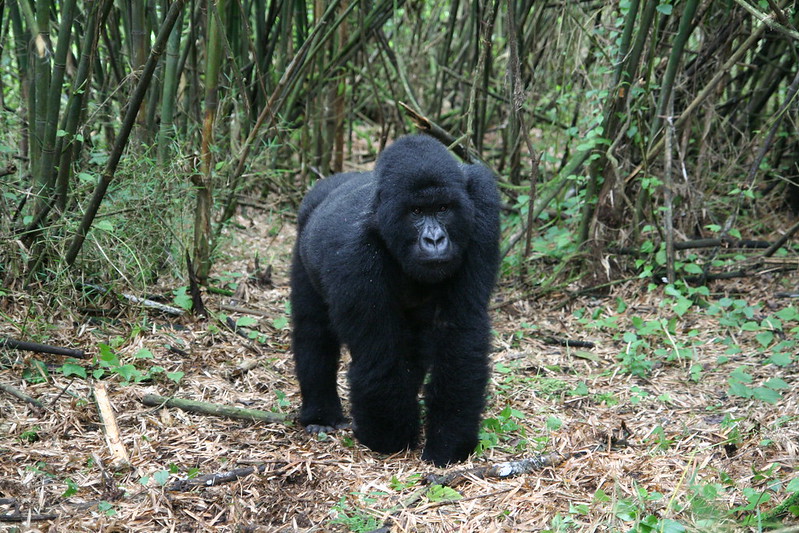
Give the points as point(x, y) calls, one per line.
point(632, 447)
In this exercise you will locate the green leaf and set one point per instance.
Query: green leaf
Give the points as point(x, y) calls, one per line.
point(175, 376)
point(765, 338)
point(72, 488)
point(739, 389)
point(280, 322)
point(106, 508)
point(161, 477)
point(692, 268)
point(440, 493)
point(554, 423)
point(789, 313)
point(580, 390)
point(105, 225)
point(665, 9)
point(72, 369)
point(767, 395)
point(670, 526)
point(776, 384)
point(740, 374)
point(144, 353)
point(107, 356)
point(182, 299)
point(246, 321)
point(129, 373)
point(780, 359)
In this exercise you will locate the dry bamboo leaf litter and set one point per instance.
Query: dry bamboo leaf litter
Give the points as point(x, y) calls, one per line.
point(679, 434)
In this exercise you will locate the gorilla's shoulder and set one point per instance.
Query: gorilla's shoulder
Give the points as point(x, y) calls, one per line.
point(481, 183)
point(323, 189)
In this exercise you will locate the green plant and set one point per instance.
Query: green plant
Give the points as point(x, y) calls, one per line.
point(106, 508)
point(441, 493)
point(30, 435)
point(502, 428)
point(355, 519)
point(769, 392)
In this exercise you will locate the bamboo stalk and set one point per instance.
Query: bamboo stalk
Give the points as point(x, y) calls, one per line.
point(124, 133)
point(166, 132)
point(684, 31)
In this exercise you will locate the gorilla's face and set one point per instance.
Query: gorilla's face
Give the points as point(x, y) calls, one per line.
point(424, 213)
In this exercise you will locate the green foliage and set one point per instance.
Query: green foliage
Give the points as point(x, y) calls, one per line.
point(72, 488)
point(107, 364)
point(31, 435)
point(662, 340)
point(502, 428)
point(182, 298)
point(355, 518)
point(398, 485)
point(440, 493)
point(106, 508)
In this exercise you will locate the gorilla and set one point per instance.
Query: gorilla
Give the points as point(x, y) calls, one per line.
point(398, 264)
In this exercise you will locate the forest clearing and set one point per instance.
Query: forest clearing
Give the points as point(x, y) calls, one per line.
point(627, 171)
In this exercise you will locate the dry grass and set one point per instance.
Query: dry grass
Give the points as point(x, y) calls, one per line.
point(678, 437)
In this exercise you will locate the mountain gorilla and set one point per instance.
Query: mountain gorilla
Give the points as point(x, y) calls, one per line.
point(398, 264)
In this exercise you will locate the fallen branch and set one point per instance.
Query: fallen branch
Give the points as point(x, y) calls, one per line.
point(500, 470)
point(13, 391)
point(144, 302)
point(569, 343)
point(40, 348)
point(213, 409)
point(243, 310)
point(151, 304)
point(782, 240)
point(24, 517)
point(218, 478)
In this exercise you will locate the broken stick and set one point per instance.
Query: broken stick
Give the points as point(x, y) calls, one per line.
point(500, 470)
point(13, 391)
point(214, 409)
point(121, 459)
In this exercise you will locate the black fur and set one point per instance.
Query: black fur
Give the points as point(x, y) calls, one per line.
point(398, 264)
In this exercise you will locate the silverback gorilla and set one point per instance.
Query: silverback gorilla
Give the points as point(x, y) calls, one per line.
point(398, 264)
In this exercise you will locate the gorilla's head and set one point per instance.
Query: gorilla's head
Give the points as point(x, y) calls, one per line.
point(424, 213)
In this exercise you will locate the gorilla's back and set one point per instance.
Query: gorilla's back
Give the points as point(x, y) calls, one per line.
point(328, 214)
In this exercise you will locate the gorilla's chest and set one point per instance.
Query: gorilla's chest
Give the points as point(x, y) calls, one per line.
point(423, 306)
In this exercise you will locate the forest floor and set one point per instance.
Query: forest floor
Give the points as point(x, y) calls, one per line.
point(671, 450)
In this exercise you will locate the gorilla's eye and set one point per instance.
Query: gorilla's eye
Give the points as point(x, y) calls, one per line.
point(416, 210)
point(443, 208)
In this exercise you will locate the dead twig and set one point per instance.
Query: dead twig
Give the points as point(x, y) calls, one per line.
point(213, 409)
point(218, 478)
point(500, 470)
point(24, 517)
point(13, 391)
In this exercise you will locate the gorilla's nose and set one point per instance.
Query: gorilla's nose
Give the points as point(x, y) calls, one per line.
point(434, 241)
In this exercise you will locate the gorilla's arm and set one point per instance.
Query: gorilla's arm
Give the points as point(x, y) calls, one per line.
point(385, 376)
point(455, 394)
point(455, 405)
